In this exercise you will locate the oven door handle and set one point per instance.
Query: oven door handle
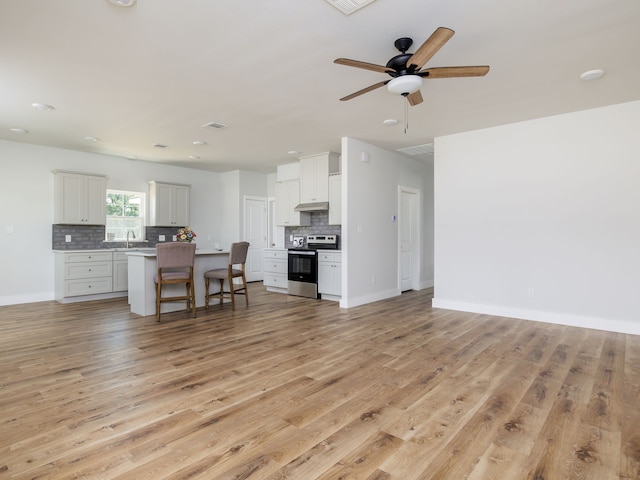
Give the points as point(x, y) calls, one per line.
point(302, 253)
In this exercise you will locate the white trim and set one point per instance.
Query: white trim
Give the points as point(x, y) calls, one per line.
point(363, 300)
point(417, 237)
point(605, 324)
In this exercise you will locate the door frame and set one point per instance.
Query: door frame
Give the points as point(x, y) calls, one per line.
point(265, 227)
point(416, 240)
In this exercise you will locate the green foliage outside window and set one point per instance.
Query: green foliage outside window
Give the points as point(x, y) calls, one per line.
point(125, 214)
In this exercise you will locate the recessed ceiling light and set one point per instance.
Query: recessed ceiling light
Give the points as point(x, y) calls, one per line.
point(592, 74)
point(123, 3)
point(19, 131)
point(92, 139)
point(293, 152)
point(161, 145)
point(390, 121)
point(199, 143)
point(194, 157)
point(42, 106)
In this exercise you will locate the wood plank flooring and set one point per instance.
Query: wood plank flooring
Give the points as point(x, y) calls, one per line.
point(294, 388)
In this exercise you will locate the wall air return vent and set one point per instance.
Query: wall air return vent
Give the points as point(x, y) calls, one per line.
point(217, 126)
point(349, 6)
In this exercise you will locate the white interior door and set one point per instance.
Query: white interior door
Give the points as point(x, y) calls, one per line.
point(408, 260)
point(255, 232)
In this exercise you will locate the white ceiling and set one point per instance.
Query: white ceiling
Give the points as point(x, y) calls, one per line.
point(155, 72)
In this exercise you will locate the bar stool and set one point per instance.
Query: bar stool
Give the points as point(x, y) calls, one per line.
point(175, 266)
point(237, 256)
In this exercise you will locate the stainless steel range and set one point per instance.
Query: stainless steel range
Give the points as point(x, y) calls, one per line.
point(303, 264)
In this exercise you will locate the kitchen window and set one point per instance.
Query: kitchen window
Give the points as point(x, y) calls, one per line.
point(125, 214)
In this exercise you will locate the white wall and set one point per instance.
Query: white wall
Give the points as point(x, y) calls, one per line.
point(369, 236)
point(235, 185)
point(26, 196)
point(541, 219)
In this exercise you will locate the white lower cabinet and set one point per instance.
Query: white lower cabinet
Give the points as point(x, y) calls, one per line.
point(330, 274)
point(274, 268)
point(90, 274)
point(120, 272)
point(83, 273)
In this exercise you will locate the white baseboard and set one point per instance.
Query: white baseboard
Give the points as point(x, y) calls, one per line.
point(606, 324)
point(28, 298)
point(363, 300)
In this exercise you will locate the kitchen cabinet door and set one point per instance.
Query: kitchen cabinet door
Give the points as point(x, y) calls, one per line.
point(169, 205)
point(314, 179)
point(330, 274)
point(79, 199)
point(335, 200)
point(287, 197)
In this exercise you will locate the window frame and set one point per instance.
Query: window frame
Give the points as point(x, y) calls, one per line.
point(124, 221)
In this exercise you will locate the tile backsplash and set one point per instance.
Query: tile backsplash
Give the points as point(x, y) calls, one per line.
point(319, 225)
point(91, 237)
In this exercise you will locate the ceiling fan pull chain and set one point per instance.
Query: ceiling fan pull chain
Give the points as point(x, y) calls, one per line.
point(406, 114)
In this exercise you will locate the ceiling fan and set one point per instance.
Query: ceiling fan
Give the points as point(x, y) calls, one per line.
point(405, 69)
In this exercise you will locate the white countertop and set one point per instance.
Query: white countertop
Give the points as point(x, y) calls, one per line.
point(141, 253)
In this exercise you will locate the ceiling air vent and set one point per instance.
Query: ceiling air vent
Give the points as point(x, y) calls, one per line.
point(217, 126)
point(349, 6)
point(426, 149)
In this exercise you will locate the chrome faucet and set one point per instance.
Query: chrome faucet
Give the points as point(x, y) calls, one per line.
point(132, 234)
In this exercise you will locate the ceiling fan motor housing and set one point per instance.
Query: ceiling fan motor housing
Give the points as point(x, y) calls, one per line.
point(399, 62)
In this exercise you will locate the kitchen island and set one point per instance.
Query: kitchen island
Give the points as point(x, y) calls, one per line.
point(143, 266)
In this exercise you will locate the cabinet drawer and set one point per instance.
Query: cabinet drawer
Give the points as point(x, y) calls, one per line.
point(275, 266)
point(330, 257)
point(87, 257)
point(275, 280)
point(280, 254)
point(91, 286)
point(87, 270)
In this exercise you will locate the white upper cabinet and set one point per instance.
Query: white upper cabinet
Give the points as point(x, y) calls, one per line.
point(314, 176)
point(335, 199)
point(287, 197)
point(79, 199)
point(168, 204)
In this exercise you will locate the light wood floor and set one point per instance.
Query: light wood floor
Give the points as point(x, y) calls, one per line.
point(294, 388)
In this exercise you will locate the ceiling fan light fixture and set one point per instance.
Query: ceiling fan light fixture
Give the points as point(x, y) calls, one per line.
point(405, 84)
point(592, 74)
point(123, 3)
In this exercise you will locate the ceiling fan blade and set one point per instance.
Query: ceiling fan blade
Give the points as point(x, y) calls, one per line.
point(365, 65)
point(451, 72)
point(415, 98)
point(430, 47)
point(364, 90)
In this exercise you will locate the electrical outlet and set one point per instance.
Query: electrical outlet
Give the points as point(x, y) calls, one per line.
point(531, 292)
point(174, 238)
point(161, 238)
point(67, 238)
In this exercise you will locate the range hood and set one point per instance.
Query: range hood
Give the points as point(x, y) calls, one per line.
point(312, 207)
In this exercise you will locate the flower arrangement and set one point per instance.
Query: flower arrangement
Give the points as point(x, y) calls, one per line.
point(185, 234)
